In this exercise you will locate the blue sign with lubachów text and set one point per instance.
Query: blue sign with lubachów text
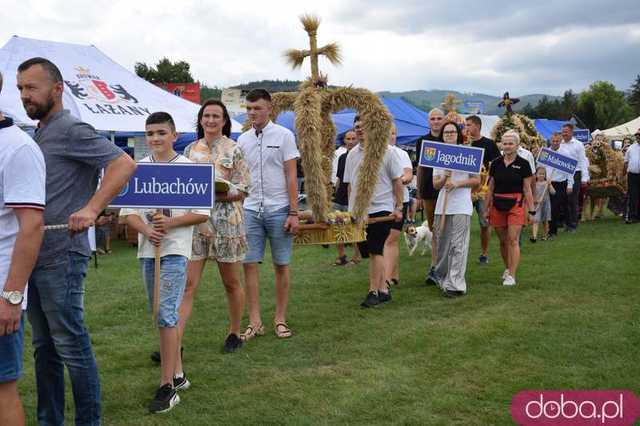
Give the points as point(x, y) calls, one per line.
point(169, 186)
point(559, 162)
point(460, 158)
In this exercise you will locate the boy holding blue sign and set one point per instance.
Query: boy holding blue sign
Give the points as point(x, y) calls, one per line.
point(172, 232)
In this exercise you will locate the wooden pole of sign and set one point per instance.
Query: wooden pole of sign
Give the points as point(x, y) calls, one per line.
point(156, 281)
point(443, 216)
point(372, 220)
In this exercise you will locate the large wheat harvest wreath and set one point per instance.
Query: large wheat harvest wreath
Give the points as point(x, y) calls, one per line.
point(313, 105)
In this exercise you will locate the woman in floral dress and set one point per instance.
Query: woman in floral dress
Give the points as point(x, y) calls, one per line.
point(222, 238)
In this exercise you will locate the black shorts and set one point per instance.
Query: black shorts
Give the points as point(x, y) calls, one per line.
point(398, 225)
point(377, 234)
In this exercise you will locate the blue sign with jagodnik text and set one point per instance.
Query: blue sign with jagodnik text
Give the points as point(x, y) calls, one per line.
point(170, 186)
point(556, 161)
point(460, 158)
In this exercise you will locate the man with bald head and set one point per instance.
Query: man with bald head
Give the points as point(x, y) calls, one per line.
point(424, 175)
point(341, 197)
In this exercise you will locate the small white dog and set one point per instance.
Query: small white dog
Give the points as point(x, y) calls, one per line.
point(416, 236)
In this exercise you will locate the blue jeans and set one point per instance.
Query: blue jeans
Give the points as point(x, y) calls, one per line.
point(173, 278)
point(11, 355)
point(259, 227)
point(56, 313)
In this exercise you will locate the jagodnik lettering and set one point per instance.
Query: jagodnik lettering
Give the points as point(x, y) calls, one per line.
point(460, 159)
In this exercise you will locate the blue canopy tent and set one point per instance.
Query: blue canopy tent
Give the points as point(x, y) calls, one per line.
point(411, 122)
point(547, 127)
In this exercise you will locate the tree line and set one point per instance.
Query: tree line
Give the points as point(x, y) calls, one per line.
point(601, 106)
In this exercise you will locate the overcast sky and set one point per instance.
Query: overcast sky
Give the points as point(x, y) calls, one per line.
point(471, 46)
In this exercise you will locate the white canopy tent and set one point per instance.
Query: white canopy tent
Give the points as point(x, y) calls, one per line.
point(97, 90)
point(627, 129)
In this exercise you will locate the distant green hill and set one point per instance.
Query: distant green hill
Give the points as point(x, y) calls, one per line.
point(423, 99)
point(427, 99)
point(272, 86)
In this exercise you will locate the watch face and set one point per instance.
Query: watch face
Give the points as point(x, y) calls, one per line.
point(15, 297)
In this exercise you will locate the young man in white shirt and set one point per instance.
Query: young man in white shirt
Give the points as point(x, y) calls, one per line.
point(172, 231)
point(22, 198)
point(580, 177)
point(386, 200)
point(632, 168)
point(271, 209)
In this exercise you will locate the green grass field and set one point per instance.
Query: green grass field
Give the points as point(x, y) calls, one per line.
point(572, 322)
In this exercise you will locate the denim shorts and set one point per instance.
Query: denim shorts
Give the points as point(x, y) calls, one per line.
point(173, 278)
point(259, 227)
point(11, 355)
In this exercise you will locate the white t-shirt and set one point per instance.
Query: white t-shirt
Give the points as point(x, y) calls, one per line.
point(265, 154)
point(405, 163)
point(527, 155)
point(22, 185)
point(632, 158)
point(575, 149)
point(382, 199)
point(334, 164)
point(178, 240)
point(459, 199)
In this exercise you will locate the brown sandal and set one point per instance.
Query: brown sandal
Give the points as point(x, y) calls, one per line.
point(285, 332)
point(252, 331)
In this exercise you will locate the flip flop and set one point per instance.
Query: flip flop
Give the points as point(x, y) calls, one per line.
point(251, 332)
point(282, 330)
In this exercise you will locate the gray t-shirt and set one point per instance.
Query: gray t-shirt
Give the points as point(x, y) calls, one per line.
point(74, 154)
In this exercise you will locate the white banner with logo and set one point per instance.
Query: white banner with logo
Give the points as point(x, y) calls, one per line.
point(97, 90)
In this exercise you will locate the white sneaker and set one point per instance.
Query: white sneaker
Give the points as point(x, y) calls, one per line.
point(505, 274)
point(509, 280)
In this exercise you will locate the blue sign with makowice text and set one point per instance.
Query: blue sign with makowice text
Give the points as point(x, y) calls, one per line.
point(557, 161)
point(583, 135)
point(169, 186)
point(460, 158)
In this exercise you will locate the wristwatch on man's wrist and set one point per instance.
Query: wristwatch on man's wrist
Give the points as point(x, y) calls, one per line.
point(13, 297)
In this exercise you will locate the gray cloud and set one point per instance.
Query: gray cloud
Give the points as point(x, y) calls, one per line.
point(468, 46)
point(486, 19)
